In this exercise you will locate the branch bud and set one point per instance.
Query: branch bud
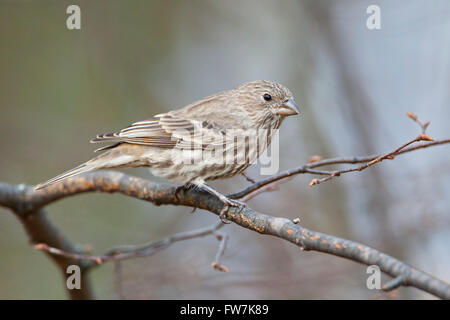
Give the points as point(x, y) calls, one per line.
point(314, 158)
point(314, 182)
point(412, 116)
point(425, 137)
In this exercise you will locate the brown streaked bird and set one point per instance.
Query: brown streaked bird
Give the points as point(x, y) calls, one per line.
point(159, 143)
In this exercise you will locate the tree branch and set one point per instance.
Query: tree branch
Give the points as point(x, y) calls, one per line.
point(28, 204)
point(42, 230)
point(129, 252)
point(368, 161)
point(108, 181)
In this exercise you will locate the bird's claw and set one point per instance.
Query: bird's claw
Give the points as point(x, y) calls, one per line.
point(227, 204)
point(223, 214)
point(236, 203)
point(179, 188)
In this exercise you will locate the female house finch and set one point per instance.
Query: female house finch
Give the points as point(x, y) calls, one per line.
point(161, 142)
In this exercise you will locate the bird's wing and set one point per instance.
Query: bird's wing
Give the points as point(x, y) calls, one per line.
point(166, 131)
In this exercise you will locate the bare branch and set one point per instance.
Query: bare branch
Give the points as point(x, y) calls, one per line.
point(223, 238)
point(423, 126)
point(317, 161)
point(390, 155)
point(129, 252)
point(394, 283)
point(280, 227)
point(273, 186)
point(247, 177)
point(40, 229)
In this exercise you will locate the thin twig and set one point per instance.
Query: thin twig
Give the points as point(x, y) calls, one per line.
point(273, 186)
point(422, 126)
point(390, 155)
point(317, 161)
point(247, 177)
point(223, 238)
point(129, 252)
point(394, 283)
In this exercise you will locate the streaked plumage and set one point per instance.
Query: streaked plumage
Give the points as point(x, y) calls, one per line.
point(158, 143)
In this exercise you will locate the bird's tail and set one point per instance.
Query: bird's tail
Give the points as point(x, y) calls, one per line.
point(114, 158)
point(73, 172)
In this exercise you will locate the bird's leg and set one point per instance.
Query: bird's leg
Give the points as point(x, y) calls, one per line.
point(226, 201)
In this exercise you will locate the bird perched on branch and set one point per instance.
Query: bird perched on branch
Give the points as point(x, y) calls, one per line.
point(193, 144)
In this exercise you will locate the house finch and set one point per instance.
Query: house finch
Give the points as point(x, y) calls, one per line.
point(166, 142)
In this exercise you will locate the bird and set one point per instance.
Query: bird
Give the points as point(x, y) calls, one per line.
point(193, 145)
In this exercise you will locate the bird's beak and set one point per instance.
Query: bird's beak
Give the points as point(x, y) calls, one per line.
point(289, 108)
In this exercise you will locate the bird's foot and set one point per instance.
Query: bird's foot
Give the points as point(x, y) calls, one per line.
point(227, 204)
point(182, 187)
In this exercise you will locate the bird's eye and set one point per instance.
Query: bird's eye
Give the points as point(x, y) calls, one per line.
point(267, 97)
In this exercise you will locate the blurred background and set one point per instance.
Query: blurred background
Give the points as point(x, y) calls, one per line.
point(134, 59)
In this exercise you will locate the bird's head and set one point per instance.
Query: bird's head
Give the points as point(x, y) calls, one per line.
point(270, 97)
